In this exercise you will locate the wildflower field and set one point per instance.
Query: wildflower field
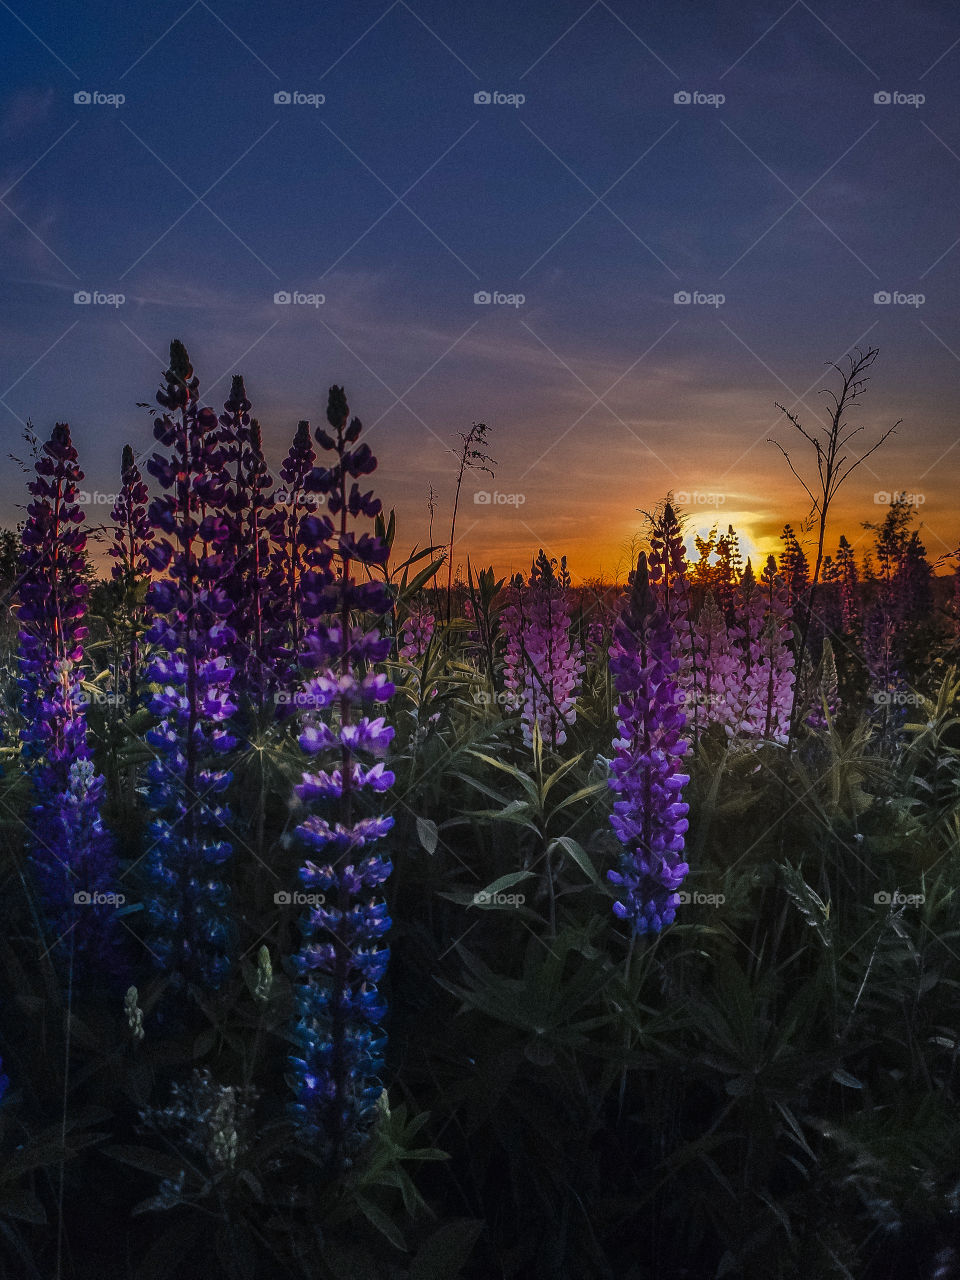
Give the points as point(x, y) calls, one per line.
point(366, 914)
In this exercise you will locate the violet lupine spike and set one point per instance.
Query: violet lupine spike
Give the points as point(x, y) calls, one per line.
point(70, 851)
point(191, 933)
point(543, 661)
point(770, 684)
point(717, 669)
point(649, 817)
point(669, 574)
point(133, 534)
point(300, 553)
point(417, 632)
point(340, 1041)
point(246, 500)
point(824, 692)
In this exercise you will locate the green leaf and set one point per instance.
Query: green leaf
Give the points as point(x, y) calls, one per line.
point(427, 834)
point(579, 855)
point(845, 1078)
point(145, 1158)
point(383, 1223)
point(447, 1252)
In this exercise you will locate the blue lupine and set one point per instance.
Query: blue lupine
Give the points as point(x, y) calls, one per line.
point(340, 1042)
point(190, 931)
point(70, 851)
point(649, 817)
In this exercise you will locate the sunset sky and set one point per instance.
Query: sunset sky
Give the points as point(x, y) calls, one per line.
point(598, 199)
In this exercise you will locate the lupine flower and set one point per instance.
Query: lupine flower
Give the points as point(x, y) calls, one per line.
point(544, 663)
point(649, 817)
point(717, 672)
point(340, 1042)
point(417, 631)
point(246, 501)
point(849, 587)
point(824, 692)
point(300, 552)
point(670, 582)
point(769, 684)
point(190, 932)
point(132, 536)
point(70, 851)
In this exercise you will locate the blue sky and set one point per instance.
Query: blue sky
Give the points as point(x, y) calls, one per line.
point(598, 198)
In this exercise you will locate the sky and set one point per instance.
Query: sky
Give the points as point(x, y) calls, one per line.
point(618, 159)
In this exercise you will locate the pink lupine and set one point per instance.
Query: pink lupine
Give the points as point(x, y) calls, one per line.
point(717, 670)
point(417, 632)
point(544, 663)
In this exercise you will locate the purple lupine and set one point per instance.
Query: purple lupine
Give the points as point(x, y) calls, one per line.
point(246, 501)
point(849, 580)
point(717, 672)
point(417, 631)
point(824, 697)
point(338, 1035)
point(669, 577)
point(71, 853)
point(190, 932)
point(769, 685)
point(544, 662)
point(132, 536)
point(300, 552)
point(649, 817)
